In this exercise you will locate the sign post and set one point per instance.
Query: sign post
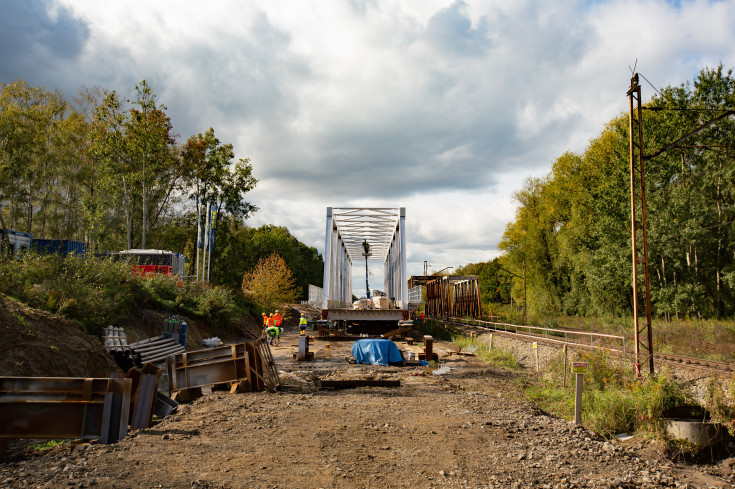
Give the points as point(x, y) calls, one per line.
point(579, 369)
point(535, 351)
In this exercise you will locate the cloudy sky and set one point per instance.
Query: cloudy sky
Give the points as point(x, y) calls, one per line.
point(441, 106)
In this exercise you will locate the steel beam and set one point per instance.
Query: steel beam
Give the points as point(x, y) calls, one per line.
point(60, 407)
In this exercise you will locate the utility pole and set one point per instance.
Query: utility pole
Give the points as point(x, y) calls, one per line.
point(639, 234)
point(366, 254)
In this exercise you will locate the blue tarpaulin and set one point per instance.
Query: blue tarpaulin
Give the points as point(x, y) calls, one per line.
point(376, 352)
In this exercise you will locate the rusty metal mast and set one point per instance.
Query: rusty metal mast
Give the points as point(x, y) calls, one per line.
point(639, 234)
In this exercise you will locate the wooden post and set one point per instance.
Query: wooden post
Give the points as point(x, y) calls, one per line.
point(565, 365)
point(491, 342)
point(578, 399)
point(535, 350)
point(580, 369)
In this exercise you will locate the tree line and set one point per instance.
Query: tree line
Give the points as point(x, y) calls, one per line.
point(571, 233)
point(112, 172)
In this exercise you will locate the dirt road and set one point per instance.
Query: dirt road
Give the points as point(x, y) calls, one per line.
point(469, 428)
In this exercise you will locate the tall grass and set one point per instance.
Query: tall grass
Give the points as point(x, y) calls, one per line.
point(97, 292)
point(703, 338)
point(613, 401)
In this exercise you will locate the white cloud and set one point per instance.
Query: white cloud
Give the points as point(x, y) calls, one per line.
point(443, 106)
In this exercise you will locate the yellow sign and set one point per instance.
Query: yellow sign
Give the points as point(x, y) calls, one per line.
point(580, 368)
point(535, 345)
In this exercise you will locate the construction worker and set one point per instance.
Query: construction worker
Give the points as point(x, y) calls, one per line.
point(302, 324)
point(278, 319)
point(265, 324)
point(272, 330)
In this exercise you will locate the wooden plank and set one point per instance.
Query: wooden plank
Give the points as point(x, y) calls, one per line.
point(351, 384)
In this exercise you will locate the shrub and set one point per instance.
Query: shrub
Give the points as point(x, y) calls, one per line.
point(96, 292)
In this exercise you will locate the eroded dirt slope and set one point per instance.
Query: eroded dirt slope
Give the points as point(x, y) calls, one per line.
point(35, 343)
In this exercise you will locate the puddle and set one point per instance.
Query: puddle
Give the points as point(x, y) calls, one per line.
point(441, 370)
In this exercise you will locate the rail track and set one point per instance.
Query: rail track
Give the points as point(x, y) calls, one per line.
point(595, 341)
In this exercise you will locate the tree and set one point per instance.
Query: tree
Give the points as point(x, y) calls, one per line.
point(136, 148)
point(270, 284)
point(212, 177)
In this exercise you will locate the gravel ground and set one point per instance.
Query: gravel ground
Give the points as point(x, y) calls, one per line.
point(468, 428)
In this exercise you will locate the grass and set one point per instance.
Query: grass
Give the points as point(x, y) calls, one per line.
point(706, 338)
point(40, 447)
point(612, 401)
point(496, 356)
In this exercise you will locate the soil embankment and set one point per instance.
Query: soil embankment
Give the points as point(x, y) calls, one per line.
point(35, 343)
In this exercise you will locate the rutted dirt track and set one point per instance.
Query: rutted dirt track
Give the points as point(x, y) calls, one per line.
point(467, 428)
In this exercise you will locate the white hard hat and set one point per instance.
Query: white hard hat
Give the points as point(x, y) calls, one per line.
point(276, 310)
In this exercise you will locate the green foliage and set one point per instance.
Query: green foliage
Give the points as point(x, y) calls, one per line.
point(240, 248)
point(107, 170)
point(270, 284)
point(437, 329)
point(41, 447)
point(97, 292)
point(572, 227)
point(720, 402)
point(495, 283)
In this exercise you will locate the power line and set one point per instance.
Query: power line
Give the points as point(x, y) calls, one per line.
point(651, 84)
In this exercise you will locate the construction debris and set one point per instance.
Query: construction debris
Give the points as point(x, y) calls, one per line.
point(242, 367)
point(156, 349)
point(212, 342)
point(145, 382)
point(153, 350)
point(59, 407)
point(354, 383)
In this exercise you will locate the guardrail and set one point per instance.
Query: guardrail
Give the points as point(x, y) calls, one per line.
point(540, 332)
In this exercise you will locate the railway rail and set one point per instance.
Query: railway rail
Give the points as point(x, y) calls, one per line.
point(592, 341)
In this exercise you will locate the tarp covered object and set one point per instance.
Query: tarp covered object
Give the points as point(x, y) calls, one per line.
point(376, 352)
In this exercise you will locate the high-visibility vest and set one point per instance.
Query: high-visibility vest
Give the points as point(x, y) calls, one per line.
point(265, 320)
point(302, 321)
point(278, 319)
point(271, 321)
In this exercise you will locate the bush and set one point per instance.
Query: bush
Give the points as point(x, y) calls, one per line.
point(97, 292)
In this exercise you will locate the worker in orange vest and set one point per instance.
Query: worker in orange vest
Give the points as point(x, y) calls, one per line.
point(272, 330)
point(265, 324)
point(278, 318)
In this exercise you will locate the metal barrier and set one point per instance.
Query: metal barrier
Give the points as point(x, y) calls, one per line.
point(540, 332)
point(58, 407)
